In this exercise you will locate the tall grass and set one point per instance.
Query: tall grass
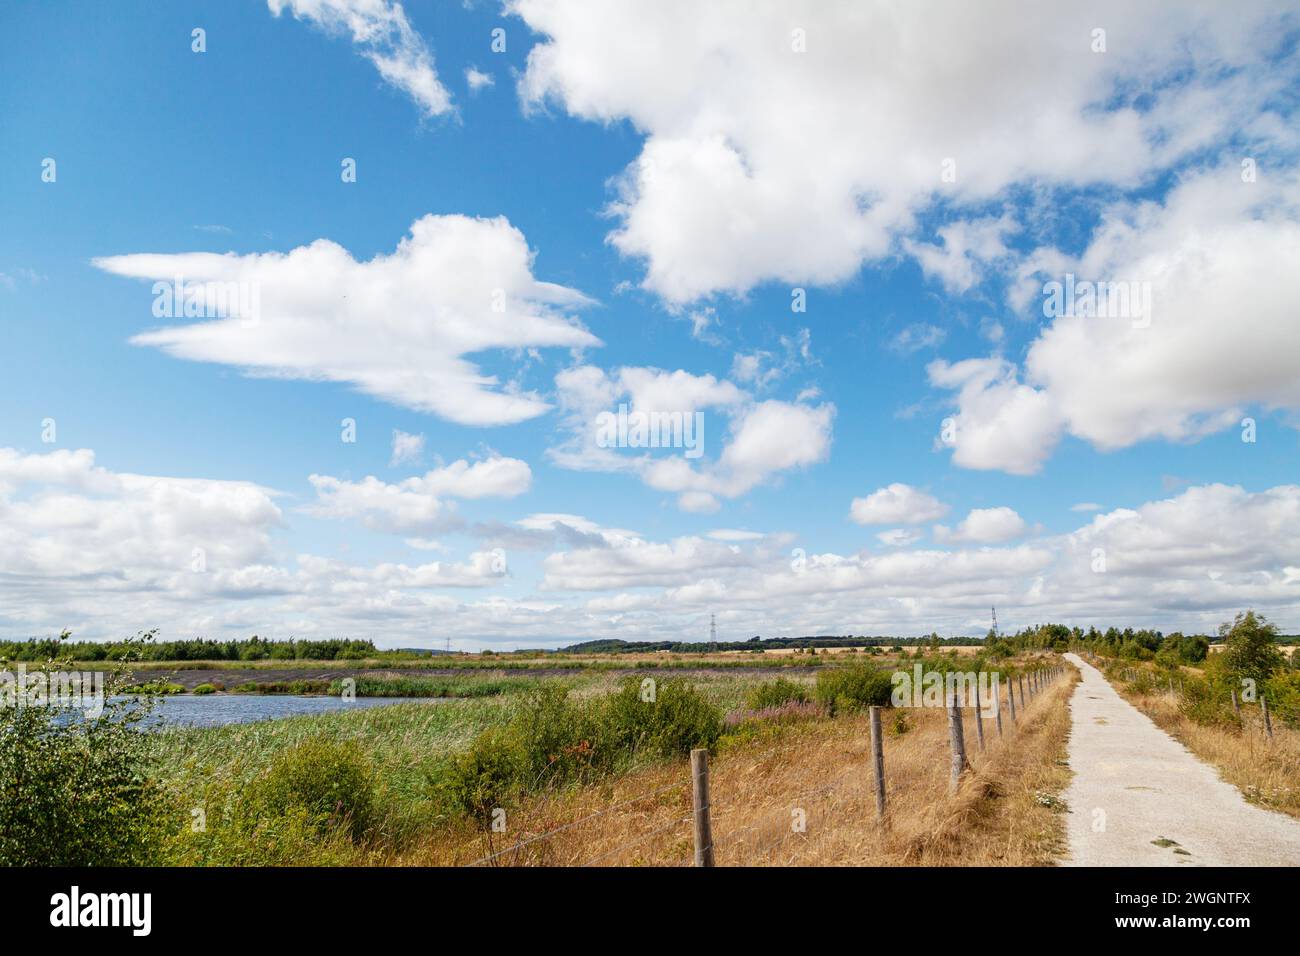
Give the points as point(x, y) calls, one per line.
point(406, 746)
point(1006, 813)
point(414, 686)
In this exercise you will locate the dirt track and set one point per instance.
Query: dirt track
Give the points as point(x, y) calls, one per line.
point(1140, 798)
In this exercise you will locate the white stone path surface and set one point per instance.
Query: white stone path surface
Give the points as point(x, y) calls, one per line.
point(1134, 784)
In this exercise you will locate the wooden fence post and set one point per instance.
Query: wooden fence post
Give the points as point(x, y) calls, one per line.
point(1236, 707)
point(700, 800)
point(997, 703)
point(958, 741)
point(979, 714)
point(1268, 724)
point(1011, 699)
point(878, 758)
point(1021, 682)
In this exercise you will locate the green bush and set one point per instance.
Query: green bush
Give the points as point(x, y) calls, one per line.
point(153, 689)
point(1203, 703)
point(483, 777)
point(76, 790)
point(1142, 682)
point(1282, 691)
point(240, 831)
point(204, 689)
point(551, 741)
point(775, 693)
point(554, 738)
point(852, 688)
point(677, 719)
point(548, 741)
point(328, 782)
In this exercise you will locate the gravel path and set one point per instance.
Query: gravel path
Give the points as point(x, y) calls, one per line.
point(1140, 798)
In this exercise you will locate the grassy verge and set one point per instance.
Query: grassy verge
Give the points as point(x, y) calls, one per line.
point(765, 777)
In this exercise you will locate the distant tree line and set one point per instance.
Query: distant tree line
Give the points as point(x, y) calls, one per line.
point(1139, 644)
point(197, 649)
point(1129, 644)
point(616, 646)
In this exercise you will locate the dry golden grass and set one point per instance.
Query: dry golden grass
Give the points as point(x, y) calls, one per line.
point(1006, 812)
point(1267, 772)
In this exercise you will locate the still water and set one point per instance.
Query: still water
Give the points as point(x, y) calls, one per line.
point(214, 710)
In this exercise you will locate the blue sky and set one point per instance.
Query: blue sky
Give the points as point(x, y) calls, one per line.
point(789, 169)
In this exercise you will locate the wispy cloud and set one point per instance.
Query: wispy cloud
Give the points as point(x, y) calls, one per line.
point(384, 36)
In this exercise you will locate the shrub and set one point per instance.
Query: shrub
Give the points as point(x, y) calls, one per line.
point(554, 738)
point(1283, 693)
point(775, 693)
point(852, 688)
point(153, 689)
point(204, 689)
point(675, 721)
point(241, 831)
point(483, 777)
point(1202, 703)
point(76, 790)
point(551, 741)
point(328, 782)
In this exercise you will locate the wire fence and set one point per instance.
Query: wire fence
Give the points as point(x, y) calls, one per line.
point(1176, 687)
point(746, 838)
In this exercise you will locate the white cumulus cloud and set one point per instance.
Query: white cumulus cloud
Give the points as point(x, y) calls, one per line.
point(418, 506)
point(396, 327)
point(795, 141)
point(984, 526)
point(897, 504)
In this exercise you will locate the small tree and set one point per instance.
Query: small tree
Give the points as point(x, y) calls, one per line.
point(74, 791)
point(1250, 647)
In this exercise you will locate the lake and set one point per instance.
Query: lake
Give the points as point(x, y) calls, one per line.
point(215, 710)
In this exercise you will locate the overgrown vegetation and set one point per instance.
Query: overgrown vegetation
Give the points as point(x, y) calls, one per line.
point(413, 686)
point(1249, 666)
point(775, 693)
point(75, 790)
point(365, 786)
point(553, 740)
point(853, 688)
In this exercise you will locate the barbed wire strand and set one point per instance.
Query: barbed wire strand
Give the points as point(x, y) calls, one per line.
point(764, 848)
point(640, 839)
point(573, 823)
